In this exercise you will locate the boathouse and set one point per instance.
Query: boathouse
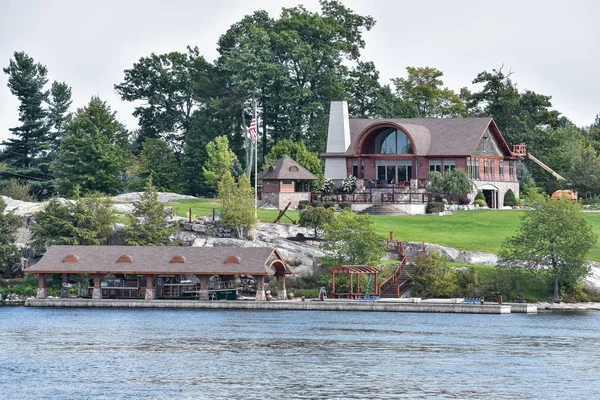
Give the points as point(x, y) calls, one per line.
point(150, 272)
point(395, 156)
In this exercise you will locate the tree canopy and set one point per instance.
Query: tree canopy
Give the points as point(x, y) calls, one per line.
point(553, 236)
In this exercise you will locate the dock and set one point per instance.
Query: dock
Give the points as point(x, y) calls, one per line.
point(310, 305)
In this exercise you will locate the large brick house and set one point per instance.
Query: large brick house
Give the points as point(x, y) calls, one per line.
point(400, 153)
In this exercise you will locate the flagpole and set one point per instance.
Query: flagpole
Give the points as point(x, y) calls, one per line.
point(256, 165)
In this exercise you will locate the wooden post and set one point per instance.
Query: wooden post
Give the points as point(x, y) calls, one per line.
point(150, 287)
point(203, 290)
point(351, 285)
point(281, 290)
point(42, 291)
point(260, 288)
point(97, 290)
point(65, 290)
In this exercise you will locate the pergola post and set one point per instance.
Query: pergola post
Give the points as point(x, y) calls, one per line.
point(281, 290)
point(97, 290)
point(203, 291)
point(42, 291)
point(150, 287)
point(260, 288)
point(351, 286)
point(65, 291)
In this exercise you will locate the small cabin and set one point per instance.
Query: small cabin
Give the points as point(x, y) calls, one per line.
point(286, 182)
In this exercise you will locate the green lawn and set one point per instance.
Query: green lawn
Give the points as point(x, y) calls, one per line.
point(482, 230)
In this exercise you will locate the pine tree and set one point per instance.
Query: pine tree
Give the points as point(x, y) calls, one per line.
point(148, 225)
point(26, 80)
point(58, 113)
point(94, 153)
point(157, 160)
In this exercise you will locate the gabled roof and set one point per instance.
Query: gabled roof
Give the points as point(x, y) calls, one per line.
point(159, 260)
point(435, 136)
point(288, 169)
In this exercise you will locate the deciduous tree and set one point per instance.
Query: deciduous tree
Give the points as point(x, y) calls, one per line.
point(554, 236)
point(237, 203)
point(351, 239)
point(316, 218)
point(219, 159)
point(157, 160)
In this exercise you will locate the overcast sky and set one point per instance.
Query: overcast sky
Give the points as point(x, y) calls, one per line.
point(552, 46)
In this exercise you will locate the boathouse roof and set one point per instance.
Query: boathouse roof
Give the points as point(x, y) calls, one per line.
point(155, 260)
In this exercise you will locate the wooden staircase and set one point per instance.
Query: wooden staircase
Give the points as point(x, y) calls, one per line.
point(398, 285)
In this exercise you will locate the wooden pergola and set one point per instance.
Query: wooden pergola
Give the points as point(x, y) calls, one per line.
point(355, 271)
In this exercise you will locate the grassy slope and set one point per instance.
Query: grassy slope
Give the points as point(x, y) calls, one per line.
point(482, 230)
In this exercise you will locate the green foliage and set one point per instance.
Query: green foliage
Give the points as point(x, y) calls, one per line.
point(17, 190)
point(58, 113)
point(26, 80)
point(509, 198)
point(148, 224)
point(316, 218)
point(453, 184)
point(349, 184)
point(220, 159)
point(94, 153)
point(433, 278)
point(424, 89)
point(434, 207)
point(237, 203)
point(84, 221)
point(157, 160)
point(480, 196)
point(298, 152)
point(351, 239)
point(9, 254)
point(168, 88)
point(555, 236)
point(480, 203)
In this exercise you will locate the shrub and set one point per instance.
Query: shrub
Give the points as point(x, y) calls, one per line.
point(510, 199)
point(17, 190)
point(480, 196)
point(464, 200)
point(302, 206)
point(327, 186)
point(329, 204)
point(305, 202)
point(345, 206)
point(316, 203)
point(349, 184)
point(480, 203)
point(434, 207)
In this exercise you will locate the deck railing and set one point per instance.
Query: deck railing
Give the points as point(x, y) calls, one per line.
point(376, 196)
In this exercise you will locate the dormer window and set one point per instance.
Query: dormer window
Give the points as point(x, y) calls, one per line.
point(233, 260)
point(124, 259)
point(70, 258)
point(177, 260)
point(293, 168)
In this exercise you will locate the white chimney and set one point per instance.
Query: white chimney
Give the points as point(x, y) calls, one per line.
point(338, 139)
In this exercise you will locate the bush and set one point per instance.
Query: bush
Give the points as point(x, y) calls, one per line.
point(327, 186)
point(345, 206)
point(434, 207)
point(480, 203)
point(302, 206)
point(464, 200)
point(305, 202)
point(480, 196)
point(510, 199)
point(17, 190)
point(316, 203)
point(329, 204)
point(349, 184)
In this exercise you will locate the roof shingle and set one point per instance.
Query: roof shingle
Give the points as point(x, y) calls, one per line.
point(288, 169)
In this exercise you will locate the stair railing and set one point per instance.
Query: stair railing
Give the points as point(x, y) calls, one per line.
point(394, 278)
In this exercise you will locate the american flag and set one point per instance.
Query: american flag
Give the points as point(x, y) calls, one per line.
point(252, 128)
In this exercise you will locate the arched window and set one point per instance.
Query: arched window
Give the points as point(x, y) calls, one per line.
point(392, 141)
point(177, 260)
point(70, 258)
point(233, 260)
point(124, 259)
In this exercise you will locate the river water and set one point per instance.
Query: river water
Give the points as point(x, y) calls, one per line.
point(188, 354)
